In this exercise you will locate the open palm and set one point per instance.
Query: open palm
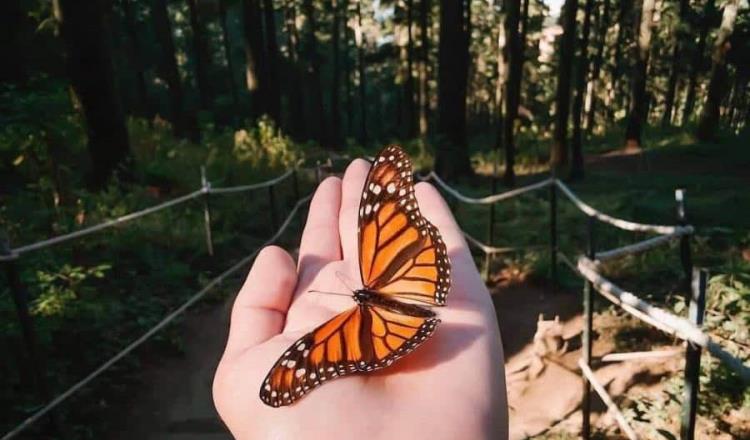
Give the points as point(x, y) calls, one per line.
point(453, 387)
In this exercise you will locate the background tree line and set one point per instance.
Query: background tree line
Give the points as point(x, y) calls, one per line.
point(353, 72)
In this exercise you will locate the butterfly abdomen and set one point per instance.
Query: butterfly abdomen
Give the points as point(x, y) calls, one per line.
point(372, 298)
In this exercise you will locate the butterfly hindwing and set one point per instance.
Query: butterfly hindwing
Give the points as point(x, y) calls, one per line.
point(364, 338)
point(400, 252)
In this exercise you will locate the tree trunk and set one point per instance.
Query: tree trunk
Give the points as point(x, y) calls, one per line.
point(296, 96)
point(409, 85)
point(719, 83)
point(229, 58)
point(84, 30)
point(502, 69)
point(638, 97)
point(254, 55)
point(512, 85)
point(347, 74)
point(336, 75)
point(619, 80)
point(314, 84)
point(666, 119)
point(183, 123)
point(202, 56)
point(424, 102)
point(452, 156)
point(695, 68)
point(576, 169)
point(559, 153)
point(144, 103)
point(360, 40)
point(273, 92)
point(597, 66)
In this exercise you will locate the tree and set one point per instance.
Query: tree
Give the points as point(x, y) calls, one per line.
point(295, 78)
point(576, 169)
point(314, 83)
point(719, 83)
point(675, 67)
point(83, 28)
point(361, 69)
point(512, 86)
point(183, 123)
point(228, 55)
point(255, 73)
point(638, 99)
point(424, 61)
point(601, 44)
point(452, 157)
point(144, 102)
point(409, 83)
point(336, 75)
point(697, 62)
point(201, 55)
point(559, 153)
point(273, 92)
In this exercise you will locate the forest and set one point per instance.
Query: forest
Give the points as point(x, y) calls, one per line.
point(110, 106)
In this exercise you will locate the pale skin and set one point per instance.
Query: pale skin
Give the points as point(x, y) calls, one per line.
point(451, 387)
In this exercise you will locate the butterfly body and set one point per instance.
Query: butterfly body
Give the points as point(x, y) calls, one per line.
point(402, 260)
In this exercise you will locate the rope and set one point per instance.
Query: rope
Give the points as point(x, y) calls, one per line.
point(642, 246)
point(254, 186)
point(611, 406)
point(13, 254)
point(657, 317)
point(163, 323)
point(489, 199)
point(486, 248)
point(616, 222)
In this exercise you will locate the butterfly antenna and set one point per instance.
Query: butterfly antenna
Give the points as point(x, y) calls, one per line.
point(329, 293)
point(345, 280)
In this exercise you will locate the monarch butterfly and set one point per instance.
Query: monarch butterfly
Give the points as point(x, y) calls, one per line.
point(401, 257)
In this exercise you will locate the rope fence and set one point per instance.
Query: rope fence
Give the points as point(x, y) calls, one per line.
point(587, 268)
point(156, 328)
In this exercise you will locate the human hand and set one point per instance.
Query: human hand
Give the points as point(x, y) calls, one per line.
point(453, 387)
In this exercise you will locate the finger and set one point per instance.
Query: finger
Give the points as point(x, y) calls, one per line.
point(320, 240)
point(351, 194)
point(259, 311)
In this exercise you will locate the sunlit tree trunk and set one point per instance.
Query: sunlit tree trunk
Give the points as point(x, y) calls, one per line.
point(424, 60)
point(273, 92)
point(84, 31)
point(201, 56)
point(409, 84)
point(597, 66)
point(296, 96)
point(559, 154)
point(697, 62)
point(255, 76)
point(512, 85)
point(361, 68)
point(619, 94)
point(638, 98)
point(347, 62)
point(229, 58)
point(314, 82)
point(183, 123)
point(719, 81)
point(576, 168)
point(502, 68)
point(144, 102)
point(452, 156)
point(679, 36)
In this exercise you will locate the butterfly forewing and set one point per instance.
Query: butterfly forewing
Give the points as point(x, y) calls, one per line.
point(364, 338)
point(400, 252)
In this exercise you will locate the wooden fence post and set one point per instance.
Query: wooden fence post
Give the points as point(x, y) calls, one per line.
point(553, 235)
point(21, 302)
point(206, 188)
point(490, 233)
point(693, 357)
point(586, 336)
point(685, 254)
